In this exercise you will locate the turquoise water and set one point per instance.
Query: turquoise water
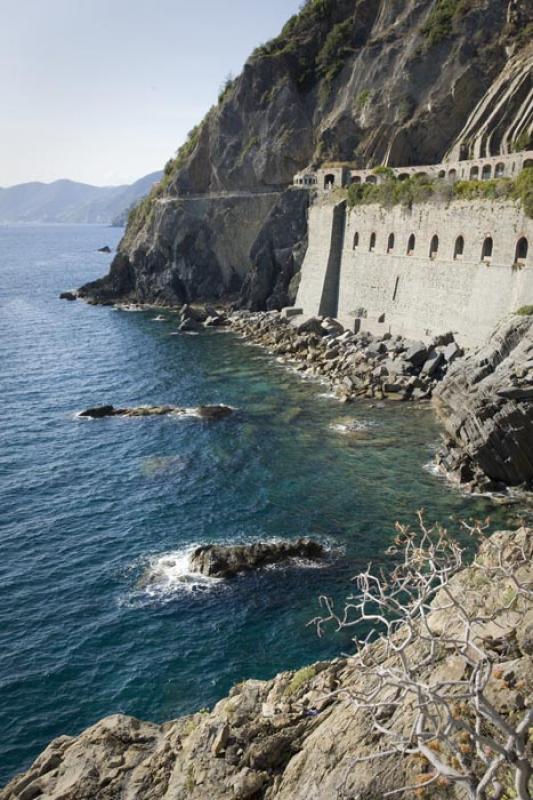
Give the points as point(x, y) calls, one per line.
point(95, 616)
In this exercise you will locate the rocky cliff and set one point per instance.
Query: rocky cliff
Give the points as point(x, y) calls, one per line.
point(299, 736)
point(360, 81)
point(486, 406)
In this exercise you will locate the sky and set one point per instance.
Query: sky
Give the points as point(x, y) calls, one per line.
point(105, 91)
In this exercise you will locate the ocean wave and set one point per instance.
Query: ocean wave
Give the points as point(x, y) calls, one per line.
point(163, 576)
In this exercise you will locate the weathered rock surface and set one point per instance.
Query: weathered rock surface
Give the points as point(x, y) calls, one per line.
point(296, 737)
point(224, 561)
point(362, 81)
point(202, 412)
point(486, 406)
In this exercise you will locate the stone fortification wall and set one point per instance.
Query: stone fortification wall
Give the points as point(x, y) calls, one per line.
point(319, 289)
point(387, 282)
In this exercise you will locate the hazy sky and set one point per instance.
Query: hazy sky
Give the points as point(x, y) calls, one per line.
point(104, 91)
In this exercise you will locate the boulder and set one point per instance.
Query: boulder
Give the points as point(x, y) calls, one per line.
point(434, 360)
point(214, 412)
point(312, 325)
point(225, 561)
point(98, 412)
point(451, 352)
point(190, 325)
point(68, 296)
point(417, 354)
point(104, 249)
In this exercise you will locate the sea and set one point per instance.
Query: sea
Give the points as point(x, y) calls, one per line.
point(99, 612)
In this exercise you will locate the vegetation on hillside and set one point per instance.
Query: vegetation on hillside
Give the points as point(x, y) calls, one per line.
point(420, 188)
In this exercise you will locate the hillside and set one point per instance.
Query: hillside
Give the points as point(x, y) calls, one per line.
point(359, 81)
point(65, 201)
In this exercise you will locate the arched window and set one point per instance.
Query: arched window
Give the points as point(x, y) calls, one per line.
point(452, 175)
point(434, 247)
point(390, 243)
point(329, 181)
point(459, 248)
point(372, 246)
point(499, 170)
point(474, 173)
point(371, 179)
point(355, 241)
point(411, 245)
point(442, 173)
point(486, 172)
point(486, 251)
point(528, 163)
point(521, 251)
point(356, 179)
point(403, 176)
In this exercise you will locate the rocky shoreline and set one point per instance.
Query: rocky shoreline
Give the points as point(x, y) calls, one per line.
point(299, 736)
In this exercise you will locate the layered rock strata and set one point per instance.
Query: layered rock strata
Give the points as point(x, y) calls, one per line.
point(486, 406)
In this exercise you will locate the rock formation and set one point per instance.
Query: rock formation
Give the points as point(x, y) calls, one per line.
point(201, 412)
point(298, 736)
point(225, 561)
point(368, 82)
point(486, 406)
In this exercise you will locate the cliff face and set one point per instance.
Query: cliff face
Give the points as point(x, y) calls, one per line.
point(364, 81)
point(486, 406)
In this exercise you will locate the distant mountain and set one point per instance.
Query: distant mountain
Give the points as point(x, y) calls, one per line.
point(66, 201)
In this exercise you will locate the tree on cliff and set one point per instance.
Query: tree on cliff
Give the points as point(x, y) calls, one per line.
point(468, 723)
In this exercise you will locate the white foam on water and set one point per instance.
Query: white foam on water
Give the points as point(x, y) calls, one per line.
point(354, 426)
point(163, 576)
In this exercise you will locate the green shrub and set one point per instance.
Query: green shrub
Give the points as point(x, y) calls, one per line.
point(299, 678)
point(525, 311)
point(440, 23)
point(362, 99)
point(335, 49)
point(420, 188)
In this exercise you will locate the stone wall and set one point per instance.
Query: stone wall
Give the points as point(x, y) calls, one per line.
point(414, 294)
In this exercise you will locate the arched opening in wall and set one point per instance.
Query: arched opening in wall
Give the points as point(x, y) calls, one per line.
point(356, 241)
point(434, 247)
point(390, 243)
point(372, 245)
point(356, 179)
point(499, 170)
point(486, 250)
point(411, 245)
point(486, 172)
point(371, 179)
point(452, 175)
point(420, 174)
point(528, 163)
point(442, 173)
point(329, 181)
point(459, 248)
point(474, 173)
point(403, 176)
point(521, 251)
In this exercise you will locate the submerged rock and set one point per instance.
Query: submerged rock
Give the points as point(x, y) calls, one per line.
point(225, 561)
point(201, 412)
